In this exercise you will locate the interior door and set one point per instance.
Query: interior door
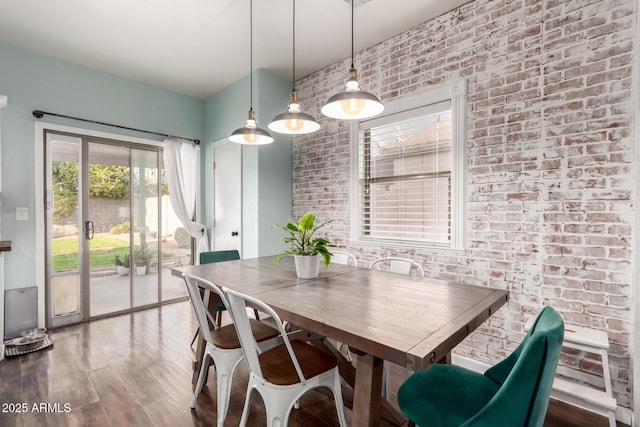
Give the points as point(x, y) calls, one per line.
point(227, 190)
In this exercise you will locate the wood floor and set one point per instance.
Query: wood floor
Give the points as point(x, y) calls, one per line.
point(135, 370)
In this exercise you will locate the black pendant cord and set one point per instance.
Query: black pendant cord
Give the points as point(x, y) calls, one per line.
point(352, 49)
point(251, 55)
point(38, 114)
point(293, 73)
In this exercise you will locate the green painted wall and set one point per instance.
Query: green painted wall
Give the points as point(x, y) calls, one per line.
point(33, 81)
point(275, 183)
point(267, 180)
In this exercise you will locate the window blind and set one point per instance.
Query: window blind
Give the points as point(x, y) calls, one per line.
point(405, 167)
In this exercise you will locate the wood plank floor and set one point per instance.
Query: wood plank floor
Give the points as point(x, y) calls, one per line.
point(135, 370)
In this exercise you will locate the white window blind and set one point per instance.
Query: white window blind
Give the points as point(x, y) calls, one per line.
point(405, 176)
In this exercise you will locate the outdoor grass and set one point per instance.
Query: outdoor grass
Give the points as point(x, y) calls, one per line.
point(64, 252)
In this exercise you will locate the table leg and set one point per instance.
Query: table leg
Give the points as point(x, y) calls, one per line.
point(389, 414)
point(366, 394)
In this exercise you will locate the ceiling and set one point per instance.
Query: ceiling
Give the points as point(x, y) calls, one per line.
point(199, 47)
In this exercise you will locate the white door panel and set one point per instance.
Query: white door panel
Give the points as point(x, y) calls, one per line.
point(227, 190)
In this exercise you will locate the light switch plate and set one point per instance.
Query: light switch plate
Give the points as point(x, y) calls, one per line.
point(22, 214)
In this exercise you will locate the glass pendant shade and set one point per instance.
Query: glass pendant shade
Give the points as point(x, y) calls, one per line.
point(251, 134)
point(294, 121)
point(353, 103)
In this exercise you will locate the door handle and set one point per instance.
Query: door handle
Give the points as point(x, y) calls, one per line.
point(88, 230)
point(234, 233)
point(49, 199)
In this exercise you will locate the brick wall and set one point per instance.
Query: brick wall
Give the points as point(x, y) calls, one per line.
point(549, 206)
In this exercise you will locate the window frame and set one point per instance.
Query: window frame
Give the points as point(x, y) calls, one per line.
point(456, 93)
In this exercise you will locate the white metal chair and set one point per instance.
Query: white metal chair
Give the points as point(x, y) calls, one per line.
point(222, 345)
point(284, 373)
point(344, 257)
point(401, 266)
point(398, 265)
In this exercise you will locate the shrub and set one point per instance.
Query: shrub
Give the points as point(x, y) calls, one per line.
point(125, 262)
point(143, 255)
point(182, 237)
point(121, 228)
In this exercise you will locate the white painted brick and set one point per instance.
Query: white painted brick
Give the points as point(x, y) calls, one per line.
point(550, 145)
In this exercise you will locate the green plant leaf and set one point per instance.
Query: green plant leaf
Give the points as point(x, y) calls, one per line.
point(277, 258)
point(306, 222)
point(301, 239)
point(326, 255)
point(291, 227)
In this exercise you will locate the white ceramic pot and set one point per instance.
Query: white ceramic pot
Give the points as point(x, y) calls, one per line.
point(307, 266)
point(141, 270)
point(123, 271)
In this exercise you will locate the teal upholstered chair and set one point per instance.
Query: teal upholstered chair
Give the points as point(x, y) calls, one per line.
point(218, 256)
point(210, 258)
point(513, 393)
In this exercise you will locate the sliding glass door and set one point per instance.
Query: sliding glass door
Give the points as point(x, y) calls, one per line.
point(64, 231)
point(112, 237)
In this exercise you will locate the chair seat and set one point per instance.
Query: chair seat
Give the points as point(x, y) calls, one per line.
point(423, 399)
point(278, 369)
point(227, 338)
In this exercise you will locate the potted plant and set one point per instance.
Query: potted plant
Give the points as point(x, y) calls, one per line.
point(122, 265)
point(153, 266)
point(306, 248)
point(142, 257)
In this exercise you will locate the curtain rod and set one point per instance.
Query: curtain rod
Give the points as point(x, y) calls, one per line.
point(38, 114)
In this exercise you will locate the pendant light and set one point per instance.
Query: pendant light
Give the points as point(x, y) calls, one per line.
point(251, 134)
point(294, 121)
point(353, 103)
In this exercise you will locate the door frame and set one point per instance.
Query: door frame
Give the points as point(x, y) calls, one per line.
point(39, 211)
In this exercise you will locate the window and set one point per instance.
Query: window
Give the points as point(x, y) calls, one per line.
point(409, 171)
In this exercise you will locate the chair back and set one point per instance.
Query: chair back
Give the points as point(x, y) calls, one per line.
point(343, 257)
point(398, 265)
point(219, 256)
point(194, 284)
point(238, 308)
point(526, 376)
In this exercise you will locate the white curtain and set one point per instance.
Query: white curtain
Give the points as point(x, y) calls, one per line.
point(182, 166)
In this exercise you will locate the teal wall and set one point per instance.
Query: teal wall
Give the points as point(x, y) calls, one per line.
point(267, 179)
point(33, 81)
point(274, 187)
point(223, 113)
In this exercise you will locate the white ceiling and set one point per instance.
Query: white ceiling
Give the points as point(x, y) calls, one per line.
point(198, 47)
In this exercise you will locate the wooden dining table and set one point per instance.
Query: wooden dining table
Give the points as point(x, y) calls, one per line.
point(379, 315)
